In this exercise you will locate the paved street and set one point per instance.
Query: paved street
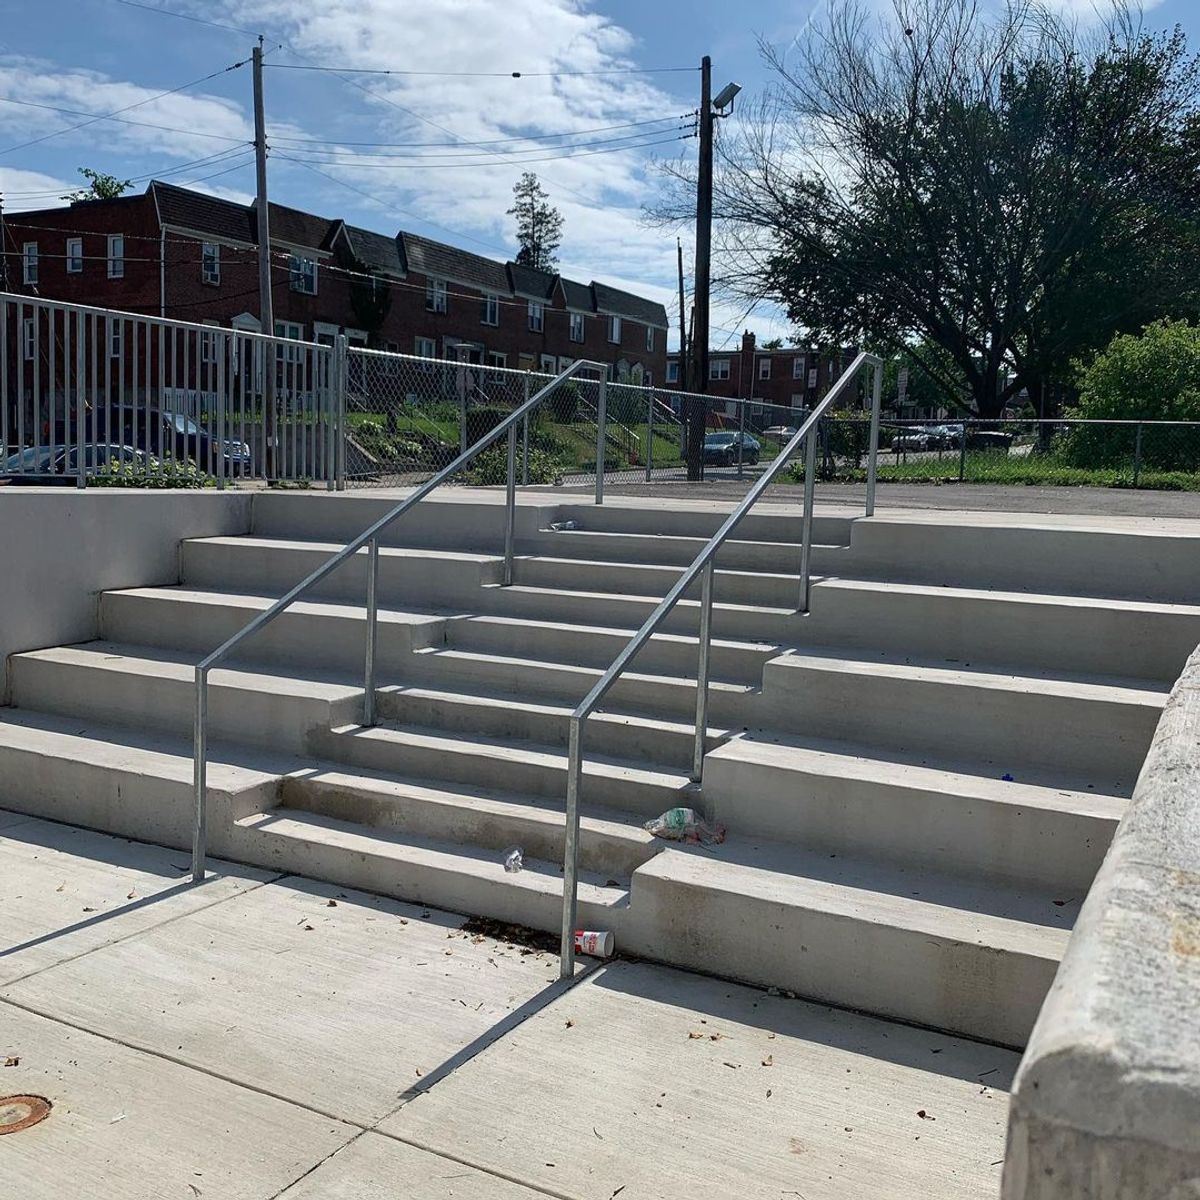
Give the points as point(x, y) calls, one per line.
point(261, 1037)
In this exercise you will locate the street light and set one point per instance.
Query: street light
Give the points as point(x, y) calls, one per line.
point(725, 99)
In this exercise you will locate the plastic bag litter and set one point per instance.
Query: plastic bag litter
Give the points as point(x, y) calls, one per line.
point(514, 860)
point(685, 825)
point(565, 526)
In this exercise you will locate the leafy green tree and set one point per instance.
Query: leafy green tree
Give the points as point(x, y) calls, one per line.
point(100, 187)
point(370, 296)
point(539, 224)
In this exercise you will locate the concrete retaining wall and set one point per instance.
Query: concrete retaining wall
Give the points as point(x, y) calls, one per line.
point(60, 548)
point(1106, 1105)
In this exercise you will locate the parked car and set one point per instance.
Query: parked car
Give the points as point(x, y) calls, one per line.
point(182, 438)
point(916, 439)
point(950, 436)
point(61, 466)
point(781, 433)
point(989, 440)
point(721, 449)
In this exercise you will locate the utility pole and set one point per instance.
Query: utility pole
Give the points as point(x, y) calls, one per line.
point(684, 348)
point(266, 310)
point(703, 282)
point(3, 249)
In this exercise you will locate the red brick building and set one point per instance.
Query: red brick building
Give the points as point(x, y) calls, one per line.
point(184, 255)
point(795, 378)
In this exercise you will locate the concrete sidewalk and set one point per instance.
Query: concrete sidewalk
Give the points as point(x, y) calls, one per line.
point(260, 1036)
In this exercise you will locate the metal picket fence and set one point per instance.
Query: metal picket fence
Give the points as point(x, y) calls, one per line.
point(89, 395)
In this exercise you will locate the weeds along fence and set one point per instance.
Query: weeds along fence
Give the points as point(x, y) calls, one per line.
point(90, 395)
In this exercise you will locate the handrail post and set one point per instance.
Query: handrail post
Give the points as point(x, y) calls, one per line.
point(200, 777)
point(510, 519)
point(873, 459)
point(1137, 455)
point(525, 438)
point(571, 851)
point(341, 386)
point(601, 435)
point(372, 630)
point(706, 605)
point(649, 435)
point(80, 401)
point(810, 480)
point(741, 434)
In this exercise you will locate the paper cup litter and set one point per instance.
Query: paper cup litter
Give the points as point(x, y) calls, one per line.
point(597, 943)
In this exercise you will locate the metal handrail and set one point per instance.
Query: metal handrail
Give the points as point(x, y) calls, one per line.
point(369, 538)
point(703, 562)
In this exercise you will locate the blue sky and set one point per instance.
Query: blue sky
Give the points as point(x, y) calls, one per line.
point(96, 56)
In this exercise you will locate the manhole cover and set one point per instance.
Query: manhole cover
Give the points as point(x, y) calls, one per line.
point(19, 1112)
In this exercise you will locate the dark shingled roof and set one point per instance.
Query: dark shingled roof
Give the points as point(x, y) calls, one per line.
point(448, 262)
point(205, 214)
point(577, 295)
point(529, 282)
point(377, 250)
point(625, 304)
point(300, 228)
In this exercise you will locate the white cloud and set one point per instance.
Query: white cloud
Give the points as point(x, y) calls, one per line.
point(16, 183)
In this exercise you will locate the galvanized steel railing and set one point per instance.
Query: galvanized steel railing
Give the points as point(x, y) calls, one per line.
point(703, 563)
point(370, 539)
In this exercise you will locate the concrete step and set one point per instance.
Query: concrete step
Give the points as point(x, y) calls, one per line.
point(427, 578)
point(146, 688)
point(1040, 830)
point(598, 646)
point(738, 554)
point(971, 958)
point(1130, 639)
point(1098, 729)
point(426, 872)
point(610, 842)
point(505, 765)
point(668, 696)
point(133, 782)
point(321, 634)
point(632, 736)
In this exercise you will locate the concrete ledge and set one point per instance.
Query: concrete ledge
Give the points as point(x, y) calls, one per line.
point(1107, 1101)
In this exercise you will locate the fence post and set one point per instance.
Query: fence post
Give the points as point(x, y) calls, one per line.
point(810, 480)
point(1137, 455)
point(649, 435)
point(741, 433)
point(601, 436)
point(462, 400)
point(962, 451)
point(80, 401)
point(873, 449)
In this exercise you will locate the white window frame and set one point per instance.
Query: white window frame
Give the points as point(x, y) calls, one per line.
point(577, 328)
point(74, 256)
point(29, 340)
point(436, 298)
point(116, 338)
point(649, 339)
point(673, 371)
point(210, 264)
point(208, 343)
point(764, 368)
point(718, 370)
point(302, 274)
point(537, 316)
point(799, 400)
point(29, 264)
point(425, 347)
point(614, 330)
point(549, 364)
point(798, 367)
point(291, 331)
point(490, 309)
point(813, 376)
point(116, 256)
point(648, 378)
point(497, 358)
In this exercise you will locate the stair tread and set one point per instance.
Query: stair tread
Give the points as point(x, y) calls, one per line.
point(399, 734)
point(385, 551)
point(657, 538)
point(536, 876)
point(736, 572)
point(915, 668)
point(944, 907)
point(1034, 788)
point(531, 589)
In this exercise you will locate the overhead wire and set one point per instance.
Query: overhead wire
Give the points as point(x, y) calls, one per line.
point(75, 112)
point(167, 12)
point(481, 74)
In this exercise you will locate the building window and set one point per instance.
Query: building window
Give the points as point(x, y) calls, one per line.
point(302, 274)
point(614, 330)
point(496, 359)
point(650, 339)
point(210, 264)
point(648, 378)
point(208, 345)
point(764, 368)
point(293, 332)
point(537, 316)
point(74, 256)
point(577, 327)
point(435, 295)
point(29, 263)
point(490, 310)
point(673, 372)
point(425, 347)
point(116, 256)
point(797, 368)
point(549, 364)
point(30, 339)
point(718, 368)
point(116, 338)
point(797, 400)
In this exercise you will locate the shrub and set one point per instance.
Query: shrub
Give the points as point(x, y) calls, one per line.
point(563, 403)
point(481, 421)
point(491, 468)
point(1154, 376)
point(153, 475)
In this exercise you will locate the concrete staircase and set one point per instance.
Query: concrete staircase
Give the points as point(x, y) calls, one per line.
point(919, 778)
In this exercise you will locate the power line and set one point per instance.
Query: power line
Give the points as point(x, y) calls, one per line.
point(75, 112)
point(482, 74)
point(117, 112)
point(412, 165)
point(167, 12)
point(533, 137)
